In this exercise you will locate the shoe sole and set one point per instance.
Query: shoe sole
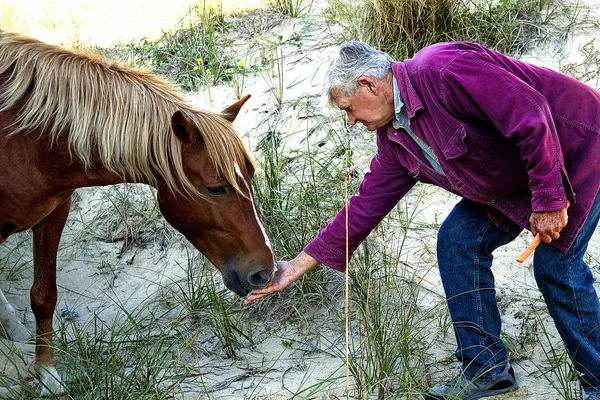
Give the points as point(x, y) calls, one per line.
point(474, 396)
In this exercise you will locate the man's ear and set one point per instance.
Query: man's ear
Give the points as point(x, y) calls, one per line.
point(369, 83)
point(184, 130)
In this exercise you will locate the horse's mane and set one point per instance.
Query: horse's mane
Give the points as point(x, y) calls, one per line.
point(113, 114)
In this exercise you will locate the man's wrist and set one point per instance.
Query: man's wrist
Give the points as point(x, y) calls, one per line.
point(305, 262)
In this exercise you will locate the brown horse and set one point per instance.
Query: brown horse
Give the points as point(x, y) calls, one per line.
point(70, 119)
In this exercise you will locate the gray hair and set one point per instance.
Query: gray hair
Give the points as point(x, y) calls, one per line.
point(353, 60)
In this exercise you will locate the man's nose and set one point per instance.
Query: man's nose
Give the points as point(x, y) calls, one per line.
point(351, 118)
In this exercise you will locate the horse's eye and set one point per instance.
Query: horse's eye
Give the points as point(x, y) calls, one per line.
point(216, 190)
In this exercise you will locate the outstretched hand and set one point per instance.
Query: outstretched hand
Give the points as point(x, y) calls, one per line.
point(287, 273)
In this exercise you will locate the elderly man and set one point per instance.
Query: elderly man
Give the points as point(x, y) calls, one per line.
point(518, 143)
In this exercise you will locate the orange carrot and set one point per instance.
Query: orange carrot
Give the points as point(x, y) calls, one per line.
point(529, 250)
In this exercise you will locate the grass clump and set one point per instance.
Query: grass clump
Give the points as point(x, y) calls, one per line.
point(130, 359)
point(292, 8)
point(401, 28)
point(193, 55)
point(387, 349)
point(209, 306)
point(129, 213)
point(586, 70)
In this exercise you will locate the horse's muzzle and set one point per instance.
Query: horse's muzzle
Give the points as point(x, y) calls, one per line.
point(255, 279)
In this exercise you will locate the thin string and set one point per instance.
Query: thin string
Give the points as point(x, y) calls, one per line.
point(347, 306)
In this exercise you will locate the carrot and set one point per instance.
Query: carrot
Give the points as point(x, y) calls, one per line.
point(534, 243)
point(529, 250)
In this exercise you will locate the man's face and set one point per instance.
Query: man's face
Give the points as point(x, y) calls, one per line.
point(367, 106)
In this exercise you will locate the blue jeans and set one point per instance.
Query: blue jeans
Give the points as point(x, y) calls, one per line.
point(466, 241)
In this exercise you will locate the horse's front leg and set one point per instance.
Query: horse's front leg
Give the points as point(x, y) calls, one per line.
point(46, 237)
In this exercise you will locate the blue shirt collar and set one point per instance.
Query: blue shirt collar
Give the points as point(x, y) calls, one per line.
point(398, 103)
point(398, 106)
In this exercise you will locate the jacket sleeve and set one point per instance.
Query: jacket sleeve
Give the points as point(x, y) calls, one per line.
point(386, 182)
point(478, 87)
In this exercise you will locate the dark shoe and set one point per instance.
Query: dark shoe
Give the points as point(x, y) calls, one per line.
point(593, 396)
point(462, 388)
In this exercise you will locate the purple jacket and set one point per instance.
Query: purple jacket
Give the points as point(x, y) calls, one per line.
point(508, 134)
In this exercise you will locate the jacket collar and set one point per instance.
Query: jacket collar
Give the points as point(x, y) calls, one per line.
point(412, 102)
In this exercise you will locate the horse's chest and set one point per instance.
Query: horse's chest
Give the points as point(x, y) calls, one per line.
point(22, 211)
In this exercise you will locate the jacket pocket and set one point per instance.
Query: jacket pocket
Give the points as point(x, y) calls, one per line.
point(456, 146)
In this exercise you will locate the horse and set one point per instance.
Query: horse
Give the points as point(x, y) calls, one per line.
point(72, 119)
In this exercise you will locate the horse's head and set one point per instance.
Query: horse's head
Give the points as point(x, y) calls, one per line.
point(221, 221)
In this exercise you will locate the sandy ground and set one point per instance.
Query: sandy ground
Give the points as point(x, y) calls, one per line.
point(92, 275)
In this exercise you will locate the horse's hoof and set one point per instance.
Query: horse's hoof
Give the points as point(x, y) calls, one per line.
point(49, 378)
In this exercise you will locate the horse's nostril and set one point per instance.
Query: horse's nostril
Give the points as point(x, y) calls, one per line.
point(259, 278)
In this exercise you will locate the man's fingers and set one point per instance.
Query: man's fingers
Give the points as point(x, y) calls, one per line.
point(267, 290)
point(547, 238)
point(260, 293)
point(251, 299)
point(253, 296)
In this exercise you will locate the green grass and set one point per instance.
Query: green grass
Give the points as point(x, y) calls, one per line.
point(389, 345)
point(128, 358)
point(194, 54)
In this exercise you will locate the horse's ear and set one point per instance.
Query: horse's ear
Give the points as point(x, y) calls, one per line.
point(183, 129)
point(231, 112)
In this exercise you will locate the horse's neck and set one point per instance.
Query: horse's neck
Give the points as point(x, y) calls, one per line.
point(49, 162)
point(71, 171)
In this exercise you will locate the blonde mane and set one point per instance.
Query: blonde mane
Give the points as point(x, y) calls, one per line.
point(113, 114)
